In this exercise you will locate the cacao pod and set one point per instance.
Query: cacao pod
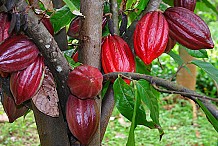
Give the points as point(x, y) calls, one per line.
point(12, 110)
point(48, 25)
point(188, 4)
point(150, 36)
point(188, 29)
point(24, 84)
point(16, 53)
point(170, 45)
point(85, 81)
point(82, 118)
point(75, 56)
point(4, 27)
point(116, 55)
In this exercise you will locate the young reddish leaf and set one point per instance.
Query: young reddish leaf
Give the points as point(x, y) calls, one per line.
point(46, 99)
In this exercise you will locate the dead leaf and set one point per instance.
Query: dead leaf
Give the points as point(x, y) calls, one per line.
point(46, 99)
point(48, 5)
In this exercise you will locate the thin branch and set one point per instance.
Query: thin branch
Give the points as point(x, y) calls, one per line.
point(114, 11)
point(167, 85)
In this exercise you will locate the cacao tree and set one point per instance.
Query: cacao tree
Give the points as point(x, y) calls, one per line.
point(73, 83)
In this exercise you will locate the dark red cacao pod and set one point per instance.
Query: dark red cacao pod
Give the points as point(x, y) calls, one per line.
point(75, 56)
point(170, 45)
point(24, 84)
point(16, 53)
point(116, 55)
point(4, 27)
point(150, 36)
point(48, 25)
point(12, 110)
point(85, 81)
point(188, 29)
point(188, 4)
point(82, 118)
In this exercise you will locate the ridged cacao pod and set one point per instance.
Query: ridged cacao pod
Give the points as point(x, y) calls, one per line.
point(188, 29)
point(12, 110)
point(85, 81)
point(82, 118)
point(116, 55)
point(16, 53)
point(150, 36)
point(188, 4)
point(170, 45)
point(4, 27)
point(48, 25)
point(24, 84)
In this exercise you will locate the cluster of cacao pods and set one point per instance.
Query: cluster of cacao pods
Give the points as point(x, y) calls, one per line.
point(82, 113)
point(157, 32)
point(21, 62)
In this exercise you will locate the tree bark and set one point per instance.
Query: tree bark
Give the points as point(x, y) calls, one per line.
point(90, 43)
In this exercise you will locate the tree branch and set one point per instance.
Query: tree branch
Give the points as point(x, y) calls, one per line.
point(167, 85)
point(114, 11)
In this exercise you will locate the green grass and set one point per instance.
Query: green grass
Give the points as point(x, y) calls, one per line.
point(176, 122)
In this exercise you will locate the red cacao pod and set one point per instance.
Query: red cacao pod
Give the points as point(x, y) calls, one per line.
point(150, 36)
point(48, 25)
point(12, 110)
point(4, 27)
point(85, 81)
point(82, 118)
point(188, 29)
point(16, 53)
point(170, 45)
point(116, 55)
point(188, 4)
point(75, 56)
point(24, 84)
point(74, 27)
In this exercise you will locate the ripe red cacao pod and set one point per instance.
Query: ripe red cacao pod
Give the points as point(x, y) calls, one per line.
point(188, 4)
point(188, 29)
point(4, 27)
point(82, 118)
point(150, 36)
point(16, 53)
point(12, 110)
point(24, 84)
point(116, 55)
point(48, 25)
point(75, 56)
point(85, 81)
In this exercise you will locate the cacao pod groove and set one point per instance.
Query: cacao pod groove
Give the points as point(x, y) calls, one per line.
point(150, 36)
point(24, 84)
point(16, 53)
point(188, 29)
point(82, 118)
point(85, 81)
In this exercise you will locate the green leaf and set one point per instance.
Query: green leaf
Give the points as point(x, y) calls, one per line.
point(104, 89)
point(71, 5)
point(131, 137)
point(71, 62)
point(61, 18)
point(150, 98)
point(176, 58)
point(124, 101)
point(210, 117)
point(197, 53)
point(210, 5)
point(141, 67)
point(208, 68)
point(130, 3)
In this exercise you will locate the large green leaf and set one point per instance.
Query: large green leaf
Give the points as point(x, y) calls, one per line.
point(61, 18)
point(130, 3)
point(176, 58)
point(150, 98)
point(202, 53)
point(208, 68)
point(210, 117)
point(70, 4)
